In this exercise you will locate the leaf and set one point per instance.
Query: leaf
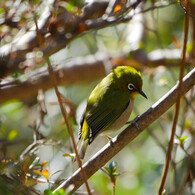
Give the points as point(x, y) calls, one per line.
point(163, 192)
point(182, 139)
point(116, 174)
point(71, 155)
point(117, 8)
point(45, 164)
point(55, 173)
point(37, 172)
point(45, 174)
point(35, 1)
point(48, 192)
point(107, 170)
point(30, 182)
point(12, 135)
point(188, 124)
point(59, 192)
point(2, 10)
point(189, 48)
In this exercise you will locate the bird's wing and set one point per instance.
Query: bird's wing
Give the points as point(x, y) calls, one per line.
point(104, 113)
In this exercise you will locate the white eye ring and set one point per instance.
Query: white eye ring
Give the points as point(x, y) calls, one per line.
point(130, 86)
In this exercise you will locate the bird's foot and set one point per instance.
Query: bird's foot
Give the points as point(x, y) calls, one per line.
point(134, 121)
point(109, 139)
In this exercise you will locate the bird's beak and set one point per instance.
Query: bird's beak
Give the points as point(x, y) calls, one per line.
point(142, 93)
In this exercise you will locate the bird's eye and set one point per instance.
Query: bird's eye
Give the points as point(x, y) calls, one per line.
point(131, 86)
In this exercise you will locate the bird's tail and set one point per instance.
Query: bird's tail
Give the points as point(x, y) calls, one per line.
point(82, 147)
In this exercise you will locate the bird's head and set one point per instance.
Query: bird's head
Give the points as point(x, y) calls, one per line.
point(130, 80)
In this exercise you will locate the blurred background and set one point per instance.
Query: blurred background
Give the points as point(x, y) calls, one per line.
point(84, 41)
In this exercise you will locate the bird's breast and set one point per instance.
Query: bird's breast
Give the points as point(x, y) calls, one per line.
point(123, 118)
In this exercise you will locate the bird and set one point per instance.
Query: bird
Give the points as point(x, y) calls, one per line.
point(109, 105)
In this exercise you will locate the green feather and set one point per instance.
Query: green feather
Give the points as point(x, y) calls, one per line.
point(105, 112)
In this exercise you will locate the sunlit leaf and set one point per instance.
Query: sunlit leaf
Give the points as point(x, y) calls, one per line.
point(77, 3)
point(107, 170)
point(182, 139)
point(2, 10)
point(30, 182)
point(116, 174)
point(117, 8)
point(55, 173)
point(37, 172)
point(45, 174)
point(45, 164)
point(188, 124)
point(189, 48)
point(163, 192)
point(71, 155)
point(12, 135)
point(35, 1)
point(48, 192)
point(11, 106)
point(59, 192)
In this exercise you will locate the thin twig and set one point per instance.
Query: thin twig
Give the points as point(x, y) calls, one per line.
point(64, 113)
point(183, 61)
point(53, 79)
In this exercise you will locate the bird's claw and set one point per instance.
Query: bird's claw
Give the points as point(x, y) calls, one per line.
point(134, 121)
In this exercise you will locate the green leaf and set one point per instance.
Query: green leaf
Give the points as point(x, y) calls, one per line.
point(182, 139)
point(16, 74)
point(163, 192)
point(71, 155)
point(188, 124)
point(59, 192)
point(48, 192)
point(11, 106)
point(2, 10)
point(35, 1)
point(189, 47)
point(12, 135)
point(70, 8)
point(107, 170)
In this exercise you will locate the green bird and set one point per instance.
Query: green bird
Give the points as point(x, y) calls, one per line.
point(109, 105)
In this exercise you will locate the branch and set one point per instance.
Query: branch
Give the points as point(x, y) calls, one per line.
point(70, 74)
point(82, 69)
point(13, 54)
point(129, 134)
